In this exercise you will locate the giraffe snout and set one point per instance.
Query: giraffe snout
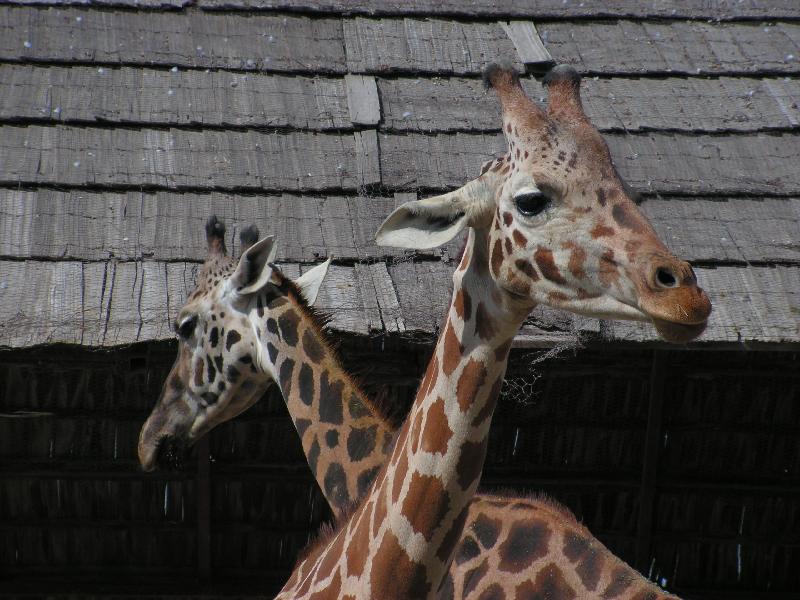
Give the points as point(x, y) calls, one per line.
point(671, 297)
point(675, 295)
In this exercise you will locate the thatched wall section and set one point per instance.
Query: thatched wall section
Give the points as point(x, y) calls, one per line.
point(685, 464)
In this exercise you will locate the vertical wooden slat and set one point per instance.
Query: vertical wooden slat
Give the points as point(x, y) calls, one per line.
point(529, 46)
point(203, 511)
point(644, 535)
point(362, 99)
point(367, 157)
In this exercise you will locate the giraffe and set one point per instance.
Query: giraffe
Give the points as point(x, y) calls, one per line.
point(493, 524)
point(551, 223)
point(222, 368)
point(394, 545)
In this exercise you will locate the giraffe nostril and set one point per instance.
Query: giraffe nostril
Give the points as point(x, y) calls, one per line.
point(665, 278)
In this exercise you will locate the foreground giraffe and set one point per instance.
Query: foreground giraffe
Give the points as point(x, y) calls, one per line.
point(467, 333)
point(493, 524)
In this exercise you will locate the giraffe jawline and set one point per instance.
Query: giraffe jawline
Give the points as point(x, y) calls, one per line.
point(679, 333)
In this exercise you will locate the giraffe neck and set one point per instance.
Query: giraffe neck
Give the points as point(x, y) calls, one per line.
point(344, 436)
point(421, 501)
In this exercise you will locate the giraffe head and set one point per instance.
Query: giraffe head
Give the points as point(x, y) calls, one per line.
point(220, 369)
point(561, 227)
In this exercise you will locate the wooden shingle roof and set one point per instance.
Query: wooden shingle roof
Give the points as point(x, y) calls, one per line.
point(124, 124)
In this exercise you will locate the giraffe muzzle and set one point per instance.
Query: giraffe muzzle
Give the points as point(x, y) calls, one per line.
point(678, 307)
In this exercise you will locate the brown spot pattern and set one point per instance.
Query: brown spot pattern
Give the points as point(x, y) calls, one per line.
point(288, 324)
point(312, 346)
point(621, 580)
point(426, 504)
point(472, 379)
point(549, 584)
point(437, 421)
point(608, 271)
point(452, 350)
point(493, 592)
point(408, 578)
point(198, 373)
point(491, 401)
point(520, 240)
point(527, 268)
point(458, 303)
point(544, 258)
point(578, 549)
point(484, 323)
point(474, 576)
point(601, 230)
point(470, 463)
point(497, 257)
point(526, 542)
point(624, 218)
point(486, 530)
point(577, 259)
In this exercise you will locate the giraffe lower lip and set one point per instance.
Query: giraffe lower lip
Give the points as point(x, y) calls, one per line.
point(679, 333)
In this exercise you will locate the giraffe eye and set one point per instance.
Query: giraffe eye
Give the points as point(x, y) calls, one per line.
point(531, 204)
point(185, 328)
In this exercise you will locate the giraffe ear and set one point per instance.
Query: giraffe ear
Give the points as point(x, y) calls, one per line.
point(423, 224)
point(254, 270)
point(310, 281)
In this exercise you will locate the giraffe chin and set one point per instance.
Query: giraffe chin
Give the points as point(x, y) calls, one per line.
point(679, 333)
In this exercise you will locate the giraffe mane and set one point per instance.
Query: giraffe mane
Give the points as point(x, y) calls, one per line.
point(540, 499)
point(320, 321)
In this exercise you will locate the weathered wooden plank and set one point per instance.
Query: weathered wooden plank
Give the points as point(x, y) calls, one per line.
point(737, 229)
point(530, 50)
point(391, 312)
point(656, 162)
point(148, 96)
point(169, 226)
point(447, 47)
point(80, 225)
point(177, 97)
point(694, 9)
point(139, 4)
point(193, 39)
point(362, 99)
point(300, 44)
point(367, 157)
point(432, 45)
point(367, 291)
point(686, 48)
point(423, 292)
point(691, 104)
point(177, 158)
point(350, 301)
point(108, 303)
